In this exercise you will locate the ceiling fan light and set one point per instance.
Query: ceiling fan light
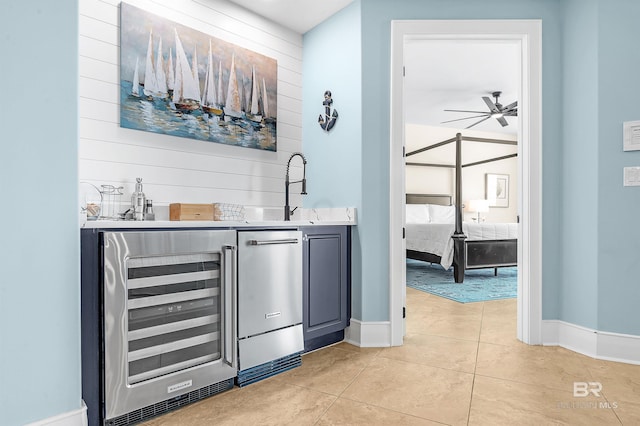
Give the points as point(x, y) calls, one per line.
point(497, 115)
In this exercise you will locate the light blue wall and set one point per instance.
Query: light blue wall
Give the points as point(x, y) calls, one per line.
point(578, 295)
point(373, 224)
point(618, 256)
point(39, 254)
point(590, 258)
point(331, 61)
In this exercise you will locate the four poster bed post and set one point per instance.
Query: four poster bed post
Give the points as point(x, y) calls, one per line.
point(459, 255)
point(469, 254)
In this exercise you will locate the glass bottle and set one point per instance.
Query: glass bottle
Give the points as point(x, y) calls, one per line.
point(138, 201)
point(148, 211)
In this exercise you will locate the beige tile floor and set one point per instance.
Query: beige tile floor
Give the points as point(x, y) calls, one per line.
point(459, 365)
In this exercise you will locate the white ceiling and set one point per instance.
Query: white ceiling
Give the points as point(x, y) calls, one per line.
point(456, 74)
point(440, 74)
point(297, 15)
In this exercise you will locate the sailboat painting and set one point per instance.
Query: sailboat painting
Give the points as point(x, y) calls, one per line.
point(177, 81)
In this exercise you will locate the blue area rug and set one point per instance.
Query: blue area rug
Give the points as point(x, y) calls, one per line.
point(479, 284)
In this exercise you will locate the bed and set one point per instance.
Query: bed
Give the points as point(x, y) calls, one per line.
point(435, 231)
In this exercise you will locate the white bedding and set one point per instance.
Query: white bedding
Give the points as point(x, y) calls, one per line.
point(436, 238)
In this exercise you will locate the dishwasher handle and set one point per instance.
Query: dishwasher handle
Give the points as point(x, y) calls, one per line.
point(268, 242)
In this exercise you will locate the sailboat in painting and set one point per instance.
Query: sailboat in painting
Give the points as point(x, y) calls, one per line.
point(239, 83)
point(135, 83)
point(219, 92)
point(149, 73)
point(186, 90)
point(155, 80)
point(233, 107)
point(194, 70)
point(210, 103)
point(171, 78)
point(265, 105)
point(254, 113)
point(161, 77)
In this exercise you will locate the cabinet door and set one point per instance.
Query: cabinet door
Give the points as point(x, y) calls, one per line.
point(325, 285)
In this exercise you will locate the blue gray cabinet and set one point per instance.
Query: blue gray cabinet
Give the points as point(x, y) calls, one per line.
point(326, 284)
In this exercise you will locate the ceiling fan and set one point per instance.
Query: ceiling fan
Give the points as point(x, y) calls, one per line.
point(496, 110)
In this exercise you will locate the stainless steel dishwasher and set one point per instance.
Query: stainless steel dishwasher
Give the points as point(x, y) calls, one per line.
point(270, 336)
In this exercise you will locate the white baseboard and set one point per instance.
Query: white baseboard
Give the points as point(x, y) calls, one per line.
point(570, 336)
point(596, 344)
point(368, 334)
point(72, 418)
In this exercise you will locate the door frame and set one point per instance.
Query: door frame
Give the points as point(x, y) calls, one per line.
point(528, 33)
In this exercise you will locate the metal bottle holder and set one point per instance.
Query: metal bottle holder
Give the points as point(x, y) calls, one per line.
point(111, 198)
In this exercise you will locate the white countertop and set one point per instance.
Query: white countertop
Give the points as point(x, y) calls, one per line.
point(268, 217)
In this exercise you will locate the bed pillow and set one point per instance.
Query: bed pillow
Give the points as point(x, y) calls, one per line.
point(417, 213)
point(442, 214)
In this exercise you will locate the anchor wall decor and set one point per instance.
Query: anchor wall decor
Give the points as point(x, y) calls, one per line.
point(328, 120)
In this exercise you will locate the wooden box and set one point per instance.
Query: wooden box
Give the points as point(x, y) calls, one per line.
point(181, 211)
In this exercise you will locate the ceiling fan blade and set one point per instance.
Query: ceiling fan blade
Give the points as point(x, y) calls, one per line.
point(462, 110)
point(465, 118)
point(512, 113)
point(502, 121)
point(511, 106)
point(490, 104)
point(478, 122)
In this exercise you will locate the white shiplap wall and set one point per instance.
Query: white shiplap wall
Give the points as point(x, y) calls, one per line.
point(178, 169)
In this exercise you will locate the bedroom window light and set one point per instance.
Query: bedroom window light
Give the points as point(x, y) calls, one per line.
point(478, 206)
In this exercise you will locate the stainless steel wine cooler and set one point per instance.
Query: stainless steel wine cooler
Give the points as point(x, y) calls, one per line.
point(169, 319)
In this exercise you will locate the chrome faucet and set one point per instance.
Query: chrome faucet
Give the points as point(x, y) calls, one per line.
point(287, 211)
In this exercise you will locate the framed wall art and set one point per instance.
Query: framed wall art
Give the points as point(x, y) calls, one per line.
point(178, 81)
point(631, 136)
point(497, 190)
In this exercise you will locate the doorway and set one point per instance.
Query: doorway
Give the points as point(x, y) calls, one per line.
point(527, 34)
